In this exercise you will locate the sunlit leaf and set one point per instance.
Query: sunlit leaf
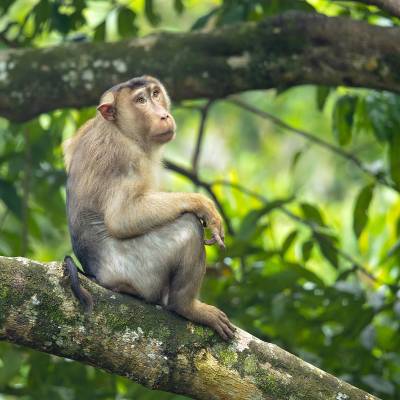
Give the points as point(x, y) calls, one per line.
point(394, 158)
point(360, 213)
point(328, 248)
point(150, 12)
point(343, 116)
point(179, 6)
point(322, 95)
point(383, 111)
point(312, 213)
point(126, 22)
point(10, 197)
point(100, 32)
point(306, 250)
point(288, 242)
point(249, 222)
point(202, 21)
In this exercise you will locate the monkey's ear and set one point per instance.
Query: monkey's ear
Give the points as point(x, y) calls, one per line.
point(106, 107)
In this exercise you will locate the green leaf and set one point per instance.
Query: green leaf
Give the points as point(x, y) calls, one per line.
point(306, 250)
point(312, 214)
point(346, 273)
point(12, 361)
point(360, 213)
point(328, 249)
point(322, 95)
point(179, 6)
point(343, 116)
point(394, 159)
point(288, 242)
point(151, 15)
point(202, 21)
point(100, 32)
point(296, 158)
point(10, 197)
point(383, 112)
point(126, 22)
point(249, 222)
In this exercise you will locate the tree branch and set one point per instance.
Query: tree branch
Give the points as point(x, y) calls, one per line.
point(315, 229)
point(378, 177)
point(282, 51)
point(156, 348)
point(200, 135)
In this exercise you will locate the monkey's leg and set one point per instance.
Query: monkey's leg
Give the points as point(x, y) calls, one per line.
point(186, 282)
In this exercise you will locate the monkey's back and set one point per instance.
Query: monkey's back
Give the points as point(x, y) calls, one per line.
point(91, 162)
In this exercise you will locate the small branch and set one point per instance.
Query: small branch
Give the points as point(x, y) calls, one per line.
point(26, 187)
point(205, 185)
point(378, 177)
point(196, 154)
point(149, 345)
point(314, 228)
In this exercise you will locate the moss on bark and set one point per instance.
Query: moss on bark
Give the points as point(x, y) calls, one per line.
point(281, 51)
point(145, 343)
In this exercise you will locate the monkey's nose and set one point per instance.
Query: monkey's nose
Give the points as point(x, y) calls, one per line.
point(164, 116)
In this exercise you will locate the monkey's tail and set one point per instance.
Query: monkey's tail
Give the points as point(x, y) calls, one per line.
point(80, 293)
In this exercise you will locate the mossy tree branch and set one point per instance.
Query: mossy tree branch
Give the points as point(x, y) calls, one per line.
point(283, 51)
point(149, 345)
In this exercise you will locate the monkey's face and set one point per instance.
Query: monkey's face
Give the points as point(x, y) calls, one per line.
point(140, 108)
point(149, 114)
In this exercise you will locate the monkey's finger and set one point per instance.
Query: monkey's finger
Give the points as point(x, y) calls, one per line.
point(211, 241)
point(220, 241)
point(216, 234)
point(221, 332)
point(228, 331)
point(226, 321)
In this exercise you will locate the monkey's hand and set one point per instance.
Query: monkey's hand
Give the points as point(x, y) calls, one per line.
point(213, 221)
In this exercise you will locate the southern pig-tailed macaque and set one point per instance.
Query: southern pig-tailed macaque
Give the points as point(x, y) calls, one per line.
point(129, 236)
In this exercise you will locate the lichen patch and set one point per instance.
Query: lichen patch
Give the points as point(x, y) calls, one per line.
point(242, 61)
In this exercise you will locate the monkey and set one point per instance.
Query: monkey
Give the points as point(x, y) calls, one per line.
point(129, 236)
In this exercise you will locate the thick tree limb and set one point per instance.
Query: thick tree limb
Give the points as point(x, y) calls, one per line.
point(282, 51)
point(149, 345)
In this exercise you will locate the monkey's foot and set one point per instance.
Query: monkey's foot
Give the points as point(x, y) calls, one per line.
point(217, 320)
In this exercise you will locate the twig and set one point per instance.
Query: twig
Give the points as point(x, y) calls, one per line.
point(205, 185)
point(315, 228)
point(26, 183)
point(337, 150)
point(203, 117)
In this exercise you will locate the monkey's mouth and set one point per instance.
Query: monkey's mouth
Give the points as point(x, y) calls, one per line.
point(164, 136)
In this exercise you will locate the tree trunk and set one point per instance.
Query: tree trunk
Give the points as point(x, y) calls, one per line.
point(149, 345)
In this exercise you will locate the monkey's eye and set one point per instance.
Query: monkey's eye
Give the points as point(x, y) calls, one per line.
point(156, 93)
point(140, 100)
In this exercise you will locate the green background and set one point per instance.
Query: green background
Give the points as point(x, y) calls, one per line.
point(312, 262)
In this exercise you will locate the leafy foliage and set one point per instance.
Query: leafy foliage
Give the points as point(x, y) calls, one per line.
point(316, 272)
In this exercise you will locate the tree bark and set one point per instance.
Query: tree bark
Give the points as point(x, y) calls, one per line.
point(151, 346)
point(282, 51)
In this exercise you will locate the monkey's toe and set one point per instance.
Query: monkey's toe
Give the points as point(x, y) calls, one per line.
point(224, 329)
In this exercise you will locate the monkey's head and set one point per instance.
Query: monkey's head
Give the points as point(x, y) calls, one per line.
point(140, 109)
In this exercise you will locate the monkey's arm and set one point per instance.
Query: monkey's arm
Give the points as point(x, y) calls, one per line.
point(127, 215)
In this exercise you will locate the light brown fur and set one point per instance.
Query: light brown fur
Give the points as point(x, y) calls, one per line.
point(126, 232)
